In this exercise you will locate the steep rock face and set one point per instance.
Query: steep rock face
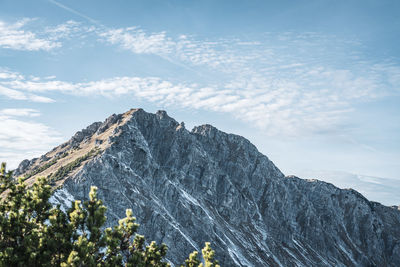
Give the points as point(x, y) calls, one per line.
point(187, 188)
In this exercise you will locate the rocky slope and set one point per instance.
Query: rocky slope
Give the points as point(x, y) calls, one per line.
point(188, 187)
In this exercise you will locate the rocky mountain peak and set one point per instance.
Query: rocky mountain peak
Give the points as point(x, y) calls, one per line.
point(205, 130)
point(189, 187)
point(162, 114)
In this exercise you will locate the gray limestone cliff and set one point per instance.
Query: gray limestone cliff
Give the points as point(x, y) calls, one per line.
point(189, 187)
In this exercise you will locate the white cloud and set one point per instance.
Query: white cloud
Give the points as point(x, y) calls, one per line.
point(137, 41)
point(20, 139)
point(27, 112)
point(64, 30)
point(8, 78)
point(40, 86)
point(13, 36)
point(24, 135)
point(68, 30)
point(181, 49)
point(13, 94)
point(6, 75)
point(27, 36)
point(19, 95)
point(40, 99)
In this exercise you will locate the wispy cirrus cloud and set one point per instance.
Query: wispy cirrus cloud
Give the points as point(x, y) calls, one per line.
point(67, 30)
point(138, 41)
point(30, 35)
point(8, 92)
point(17, 112)
point(14, 36)
point(19, 95)
point(183, 48)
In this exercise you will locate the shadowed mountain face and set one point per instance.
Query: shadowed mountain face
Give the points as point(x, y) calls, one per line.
point(189, 187)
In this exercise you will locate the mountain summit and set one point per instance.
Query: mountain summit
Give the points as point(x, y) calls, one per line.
point(189, 187)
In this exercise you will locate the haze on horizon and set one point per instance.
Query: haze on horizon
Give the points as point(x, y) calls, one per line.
point(315, 85)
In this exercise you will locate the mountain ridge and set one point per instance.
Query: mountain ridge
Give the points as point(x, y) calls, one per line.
point(378, 189)
point(187, 187)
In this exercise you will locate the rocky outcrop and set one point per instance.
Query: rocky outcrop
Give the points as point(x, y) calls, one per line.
point(189, 187)
point(84, 135)
point(22, 167)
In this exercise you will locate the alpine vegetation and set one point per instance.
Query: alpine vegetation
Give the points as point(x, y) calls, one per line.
point(34, 233)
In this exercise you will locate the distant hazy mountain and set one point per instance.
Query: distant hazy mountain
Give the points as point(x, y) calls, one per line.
point(188, 187)
point(383, 190)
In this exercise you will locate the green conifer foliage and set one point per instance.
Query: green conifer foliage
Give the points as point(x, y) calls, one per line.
point(34, 233)
point(208, 256)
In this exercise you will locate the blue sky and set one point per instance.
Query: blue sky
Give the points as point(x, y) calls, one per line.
point(315, 85)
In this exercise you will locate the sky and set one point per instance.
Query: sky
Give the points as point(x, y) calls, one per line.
point(315, 85)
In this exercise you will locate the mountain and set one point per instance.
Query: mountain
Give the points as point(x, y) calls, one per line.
point(383, 190)
point(188, 187)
